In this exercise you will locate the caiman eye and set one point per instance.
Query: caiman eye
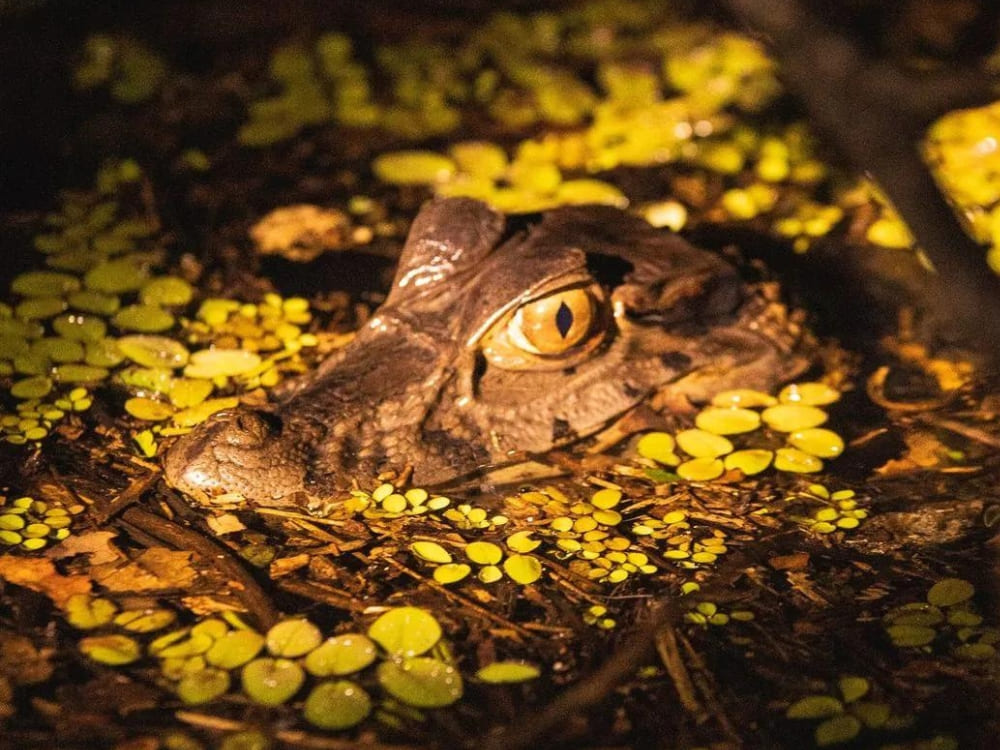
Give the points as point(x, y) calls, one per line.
point(554, 324)
point(556, 331)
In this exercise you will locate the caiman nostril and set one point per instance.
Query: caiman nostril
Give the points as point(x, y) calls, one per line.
point(250, 429)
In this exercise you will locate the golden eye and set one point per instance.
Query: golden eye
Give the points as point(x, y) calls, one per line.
point(553, 324)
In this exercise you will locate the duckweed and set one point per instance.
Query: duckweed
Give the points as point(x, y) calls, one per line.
point(504, 672)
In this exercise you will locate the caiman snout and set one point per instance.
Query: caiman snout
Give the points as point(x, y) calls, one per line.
point(242, 451)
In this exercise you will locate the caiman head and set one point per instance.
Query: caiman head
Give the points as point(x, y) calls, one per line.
point(495, 342)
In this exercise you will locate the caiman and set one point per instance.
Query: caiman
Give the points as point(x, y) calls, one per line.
point(500, 339)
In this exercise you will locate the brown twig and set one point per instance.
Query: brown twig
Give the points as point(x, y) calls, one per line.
point(249, 592)
point(589, 691)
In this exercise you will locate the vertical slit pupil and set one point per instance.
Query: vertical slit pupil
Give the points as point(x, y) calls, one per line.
point(564, 319)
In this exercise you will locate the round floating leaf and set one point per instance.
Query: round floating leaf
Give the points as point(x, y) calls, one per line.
point(12, 346)
point(80, 327)
point(143, 318)
point(743, 397)
point(111, 649)
point(796, 461)
point(90, 301)
point(35, 387)
point(148, 409)
point(198, 414)
point(73, 373)
point(522, 569)
point(508, 671)
point(154, 351)
point(103, 353)
point(234, 649)
point(44, 284)
point(58, 349)
point(702, 444)
point(910, 636)
point(751, 461)
point(203, 686)
point(413, 167)
point(872, 715)
point(658, 446)
point(292, 638)
point(587, 191)
point(186, 392)
point(817, 442)
point(815, 707)
point(341, 655)
point(837, 730)
point(451, 573)
point(166, 290)
point(271, 682)
point(337, 705)
point(39, 308)
point(145, 620)
point(731, 421)
point(421, 682)
point(484, 553)
point(211, 363)
point(522, 541)
point(975, 651)
point(808, 394)
point(405, 631)
point(431, 552)
point(852, 688)
point(793, 417)
point(86, 612)
point(701, 469)
point(949, 592)
point(116, 276)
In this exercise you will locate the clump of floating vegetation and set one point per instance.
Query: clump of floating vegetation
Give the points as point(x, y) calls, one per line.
point(851, 709)
point(102, 312)
point(402, 654)
point(708, 450)
point(947, 617)
point(31, 525)
point(128, 69)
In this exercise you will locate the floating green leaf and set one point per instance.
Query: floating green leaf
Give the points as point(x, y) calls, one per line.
point(421, 682)
point(203, 686)
point(405, 631)
point(523, 569)
point(271, 682)
point(336, 705)
point(86, 612)
point(292, 638)
point(508, 671)
point(949, 592)
point(111, 649)
point(837, 730)
point(234, 649)
point(341, 655)
point(815, 707)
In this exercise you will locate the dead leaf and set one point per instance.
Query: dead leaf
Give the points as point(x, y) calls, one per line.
point(155, 569)
point(923, 451)
point(21, 662)
point(95, 544)
point(795, 561)
point(39, 574)
point(227, 523)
